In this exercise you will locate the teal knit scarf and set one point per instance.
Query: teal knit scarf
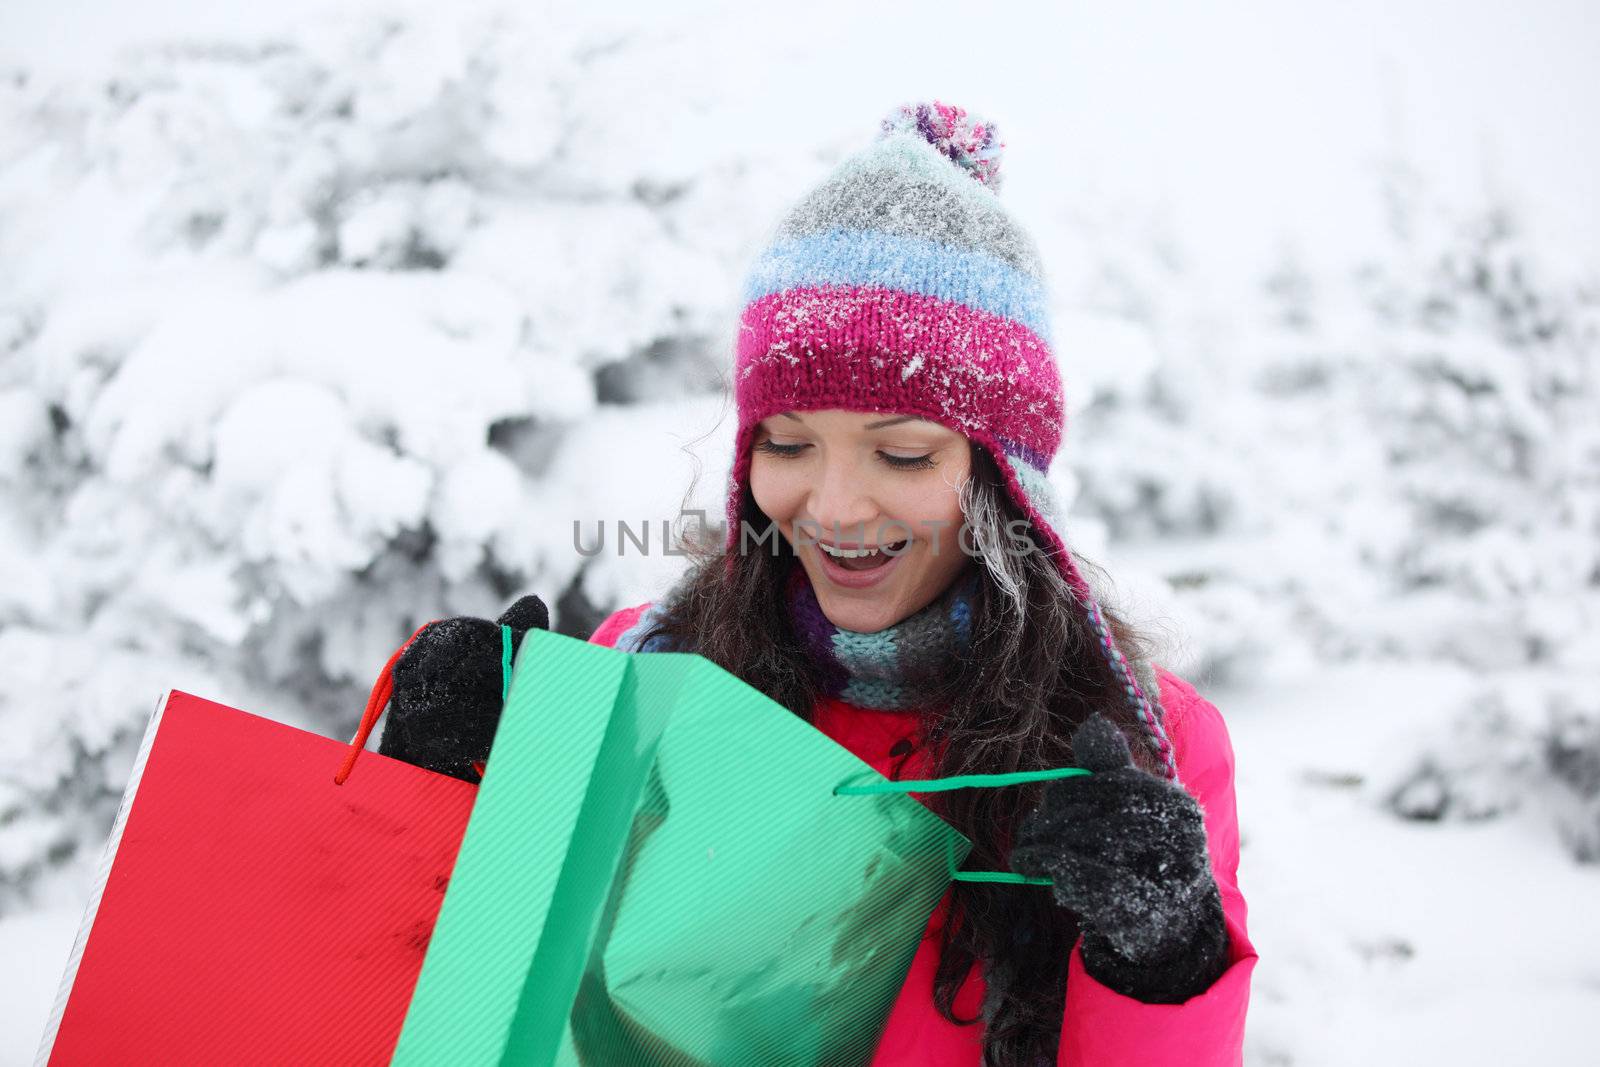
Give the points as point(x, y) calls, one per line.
point(896, 668)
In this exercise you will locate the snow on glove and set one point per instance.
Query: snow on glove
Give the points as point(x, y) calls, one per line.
point(447, 690)
point(1126, 851)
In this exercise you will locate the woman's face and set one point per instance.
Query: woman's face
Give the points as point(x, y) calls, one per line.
point(859, 479)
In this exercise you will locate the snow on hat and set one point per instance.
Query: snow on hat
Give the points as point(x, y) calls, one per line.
point(902, 285)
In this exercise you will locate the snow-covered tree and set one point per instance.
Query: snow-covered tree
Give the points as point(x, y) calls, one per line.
point(1485, 382)
point(306, 342)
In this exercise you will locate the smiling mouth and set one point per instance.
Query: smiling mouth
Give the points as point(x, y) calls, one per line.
point(862, 559)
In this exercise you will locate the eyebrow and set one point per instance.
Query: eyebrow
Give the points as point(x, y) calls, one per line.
point(871, 425)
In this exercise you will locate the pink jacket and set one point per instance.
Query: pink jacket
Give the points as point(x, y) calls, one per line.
point(1100, 1028)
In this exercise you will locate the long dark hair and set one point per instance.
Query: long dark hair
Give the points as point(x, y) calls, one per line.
point(1035, 671)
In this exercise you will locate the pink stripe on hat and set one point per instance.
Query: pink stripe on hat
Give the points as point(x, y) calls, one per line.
point(866, 348)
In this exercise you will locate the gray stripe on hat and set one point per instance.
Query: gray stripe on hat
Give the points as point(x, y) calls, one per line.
point(902, 185)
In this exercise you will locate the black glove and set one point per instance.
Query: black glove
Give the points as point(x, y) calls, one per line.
point(447, 690)
point(1127, 852)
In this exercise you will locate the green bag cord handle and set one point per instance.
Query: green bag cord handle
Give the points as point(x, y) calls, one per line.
point(505, 664)
point(967, 781)
point(926, 785)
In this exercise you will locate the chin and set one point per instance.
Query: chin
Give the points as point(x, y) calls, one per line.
point(859, 622)
point(864, 612)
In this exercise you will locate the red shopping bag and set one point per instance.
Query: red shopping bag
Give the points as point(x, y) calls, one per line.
point(261, 903)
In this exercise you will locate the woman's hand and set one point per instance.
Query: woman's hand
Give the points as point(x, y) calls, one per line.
point(447, 690)
point(1127, 852)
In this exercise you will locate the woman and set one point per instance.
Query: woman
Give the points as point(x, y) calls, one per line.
point(892, 571)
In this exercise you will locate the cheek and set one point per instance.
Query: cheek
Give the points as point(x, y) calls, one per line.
point(929, 508)
point(777, 492)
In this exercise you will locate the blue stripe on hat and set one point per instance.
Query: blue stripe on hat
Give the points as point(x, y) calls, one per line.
point(909, 264)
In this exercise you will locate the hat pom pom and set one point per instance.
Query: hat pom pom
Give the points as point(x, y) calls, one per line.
point(964, 139)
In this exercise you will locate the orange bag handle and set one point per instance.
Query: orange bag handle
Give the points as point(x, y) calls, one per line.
point(382, 689)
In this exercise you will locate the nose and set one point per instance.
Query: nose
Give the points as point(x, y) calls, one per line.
point(840, 504)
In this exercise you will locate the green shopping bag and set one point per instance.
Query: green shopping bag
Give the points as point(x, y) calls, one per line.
point(666, 867)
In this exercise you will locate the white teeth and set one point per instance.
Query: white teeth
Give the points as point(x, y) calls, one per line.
point(847, 553)
point(851, 553)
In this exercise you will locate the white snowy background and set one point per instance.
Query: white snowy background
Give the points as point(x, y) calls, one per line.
point(320, 321)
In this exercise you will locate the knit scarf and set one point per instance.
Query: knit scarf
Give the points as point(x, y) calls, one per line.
point(893, 669)
point(897, 668)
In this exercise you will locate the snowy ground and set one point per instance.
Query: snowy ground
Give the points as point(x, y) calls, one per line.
point(36, 944)
point(1398, 942)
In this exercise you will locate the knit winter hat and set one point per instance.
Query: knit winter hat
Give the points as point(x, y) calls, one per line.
point(902, 285)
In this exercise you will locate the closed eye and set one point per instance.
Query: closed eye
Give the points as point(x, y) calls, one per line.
point(775, 449)
point(908, 463)
point(903, 463)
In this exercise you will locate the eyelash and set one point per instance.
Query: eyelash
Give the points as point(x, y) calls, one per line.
point(900, 463)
